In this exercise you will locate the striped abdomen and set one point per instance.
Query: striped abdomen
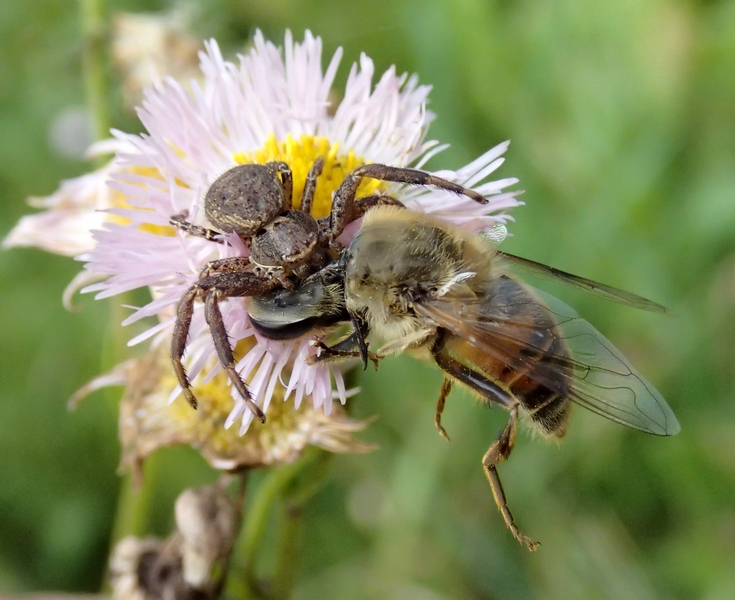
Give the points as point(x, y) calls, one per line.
point(529, 349)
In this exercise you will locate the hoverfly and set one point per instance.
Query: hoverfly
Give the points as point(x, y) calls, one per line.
point(420, 285)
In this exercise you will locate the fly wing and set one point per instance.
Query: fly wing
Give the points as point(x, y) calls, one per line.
point(600, 289)
point(596, 376)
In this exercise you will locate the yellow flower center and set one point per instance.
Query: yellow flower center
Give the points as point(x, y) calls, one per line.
point(147, 422)
point(300, 155)
point(150, 227)
point(215, 403)
point(205, 427)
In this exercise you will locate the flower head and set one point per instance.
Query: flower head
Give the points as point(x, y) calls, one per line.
point(145, 45)
point(192, 562)
point(274, 105)
point(65, 227)
point(148, 422)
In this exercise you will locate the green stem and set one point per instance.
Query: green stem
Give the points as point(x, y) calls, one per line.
point(308, 482)
point(134, 504)
point(94, 32)
point(133, 508)
point(242, 484)
point(259, 511)
point(289, 547)
point(133, 512)
point(280, 485)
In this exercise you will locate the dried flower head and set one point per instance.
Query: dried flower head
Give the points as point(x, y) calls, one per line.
point(191, 563)
point(145, 47)
point(148, 422)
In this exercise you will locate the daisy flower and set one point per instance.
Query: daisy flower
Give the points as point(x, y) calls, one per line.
point(272, 105)
point(70, 214)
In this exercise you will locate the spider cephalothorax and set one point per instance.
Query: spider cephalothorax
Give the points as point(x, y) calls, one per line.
point(286, 245)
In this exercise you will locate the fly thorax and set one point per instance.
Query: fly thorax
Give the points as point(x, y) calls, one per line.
point(393, 265)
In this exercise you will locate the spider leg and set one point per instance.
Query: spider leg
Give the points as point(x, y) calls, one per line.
point(356, 210)
point(184, 312)
point(344, 197)
point(219, 280)
point(414, 177)
point(307, 198)
point(224, 351)
point(362, 205)
point(286, 181)
point(239, 276)
point(179, 221)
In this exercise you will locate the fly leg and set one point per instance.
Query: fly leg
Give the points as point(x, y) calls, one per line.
point(499, 450)
point(354, 346)
point(341, 352)
point(446, 388)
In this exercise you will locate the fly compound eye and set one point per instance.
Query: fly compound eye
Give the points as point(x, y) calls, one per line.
point(290, 314)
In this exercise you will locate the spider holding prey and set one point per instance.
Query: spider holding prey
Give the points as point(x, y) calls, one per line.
point(286, 245)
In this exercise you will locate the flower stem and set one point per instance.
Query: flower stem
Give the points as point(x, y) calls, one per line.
point(289, 547)
point(132, 516)
point(258, 513)
point(292, 485)
point(301, 489)
point(134, 502)
point(242, 484)
point(133, 510)
point(94, 32)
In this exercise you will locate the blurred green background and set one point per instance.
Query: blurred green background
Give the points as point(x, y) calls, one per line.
point(622, 121)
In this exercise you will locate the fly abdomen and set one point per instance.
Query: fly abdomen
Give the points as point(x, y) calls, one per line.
point(530, 372)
